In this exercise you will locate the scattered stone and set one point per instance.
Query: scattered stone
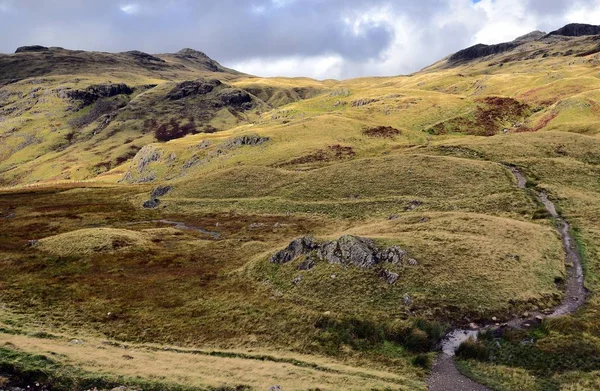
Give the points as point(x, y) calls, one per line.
point(75, 342)
point(151, 204)
point(539, 318)
point(525, 314)
point(256, 225)
point(424, 220)
point(32, 243)
point(333, 276)
point(389, 277)
point(275, 388)
point(414, 204)
point(297, 280)
point(494, 319)
point(160, 191)
point(276, 225)
point(393, 217)
point(413, 262)
point(407, 300)
point(473, 326)
point(307, 264)
point(394, 255)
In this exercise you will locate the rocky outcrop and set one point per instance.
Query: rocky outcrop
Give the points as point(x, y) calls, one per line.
point(576, 30)
point(236, 98)
point(142, 57)
point(193, 87)
point(481, 50)
point(347, 250)
point(92, 93)
point(32, 48)
point(532, 36)
point(296, 248)
point(252, 139)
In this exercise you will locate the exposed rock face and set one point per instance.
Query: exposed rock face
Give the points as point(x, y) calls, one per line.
point(347, 250)
point(143, 57)
point(235, 97)
point(32, 48)
point(246, 140)
point(354, 250)
point(95, 92)
point(192, 87)
point(296, 248)
point(577, 30)
point(481, 50)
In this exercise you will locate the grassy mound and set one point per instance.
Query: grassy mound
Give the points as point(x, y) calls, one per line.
point(92, 240)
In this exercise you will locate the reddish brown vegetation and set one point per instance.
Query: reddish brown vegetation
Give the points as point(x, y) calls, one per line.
point(382, 131)
point(487, 119)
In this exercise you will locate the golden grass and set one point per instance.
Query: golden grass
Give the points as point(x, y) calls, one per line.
point(93, 240)
point(158, 364)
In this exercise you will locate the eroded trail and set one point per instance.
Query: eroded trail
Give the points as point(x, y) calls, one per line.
point(445, 376)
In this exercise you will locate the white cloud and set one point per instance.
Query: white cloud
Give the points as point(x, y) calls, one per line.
point(318, 67)
point(130, 9)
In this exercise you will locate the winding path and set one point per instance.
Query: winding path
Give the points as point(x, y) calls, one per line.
point(444, 375)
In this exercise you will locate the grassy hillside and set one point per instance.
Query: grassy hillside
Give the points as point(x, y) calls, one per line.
point(232, 168)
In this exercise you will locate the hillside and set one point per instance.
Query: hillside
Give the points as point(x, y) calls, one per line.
point(312, 234)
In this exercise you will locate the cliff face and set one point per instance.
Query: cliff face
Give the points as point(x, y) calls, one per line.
point(481, 50)
point(577, 30)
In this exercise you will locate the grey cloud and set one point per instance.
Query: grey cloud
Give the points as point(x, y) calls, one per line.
point(233, 31)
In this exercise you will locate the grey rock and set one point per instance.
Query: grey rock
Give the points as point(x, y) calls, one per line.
point(246, 140)
point(349, 249)
point(394, 255)
point(393, 217)
point(236, 98)
point(407, 300)
point(275, 388)
point(297, 280)
point(389, 277)
point(307, 264)
point(192, 88)
point(413, 262)
point(160, 191)
point(296, 248)
point(151, 204)
point(97, 91)
point(414, 204)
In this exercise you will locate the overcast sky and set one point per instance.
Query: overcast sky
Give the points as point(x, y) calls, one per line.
point(316, 38)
